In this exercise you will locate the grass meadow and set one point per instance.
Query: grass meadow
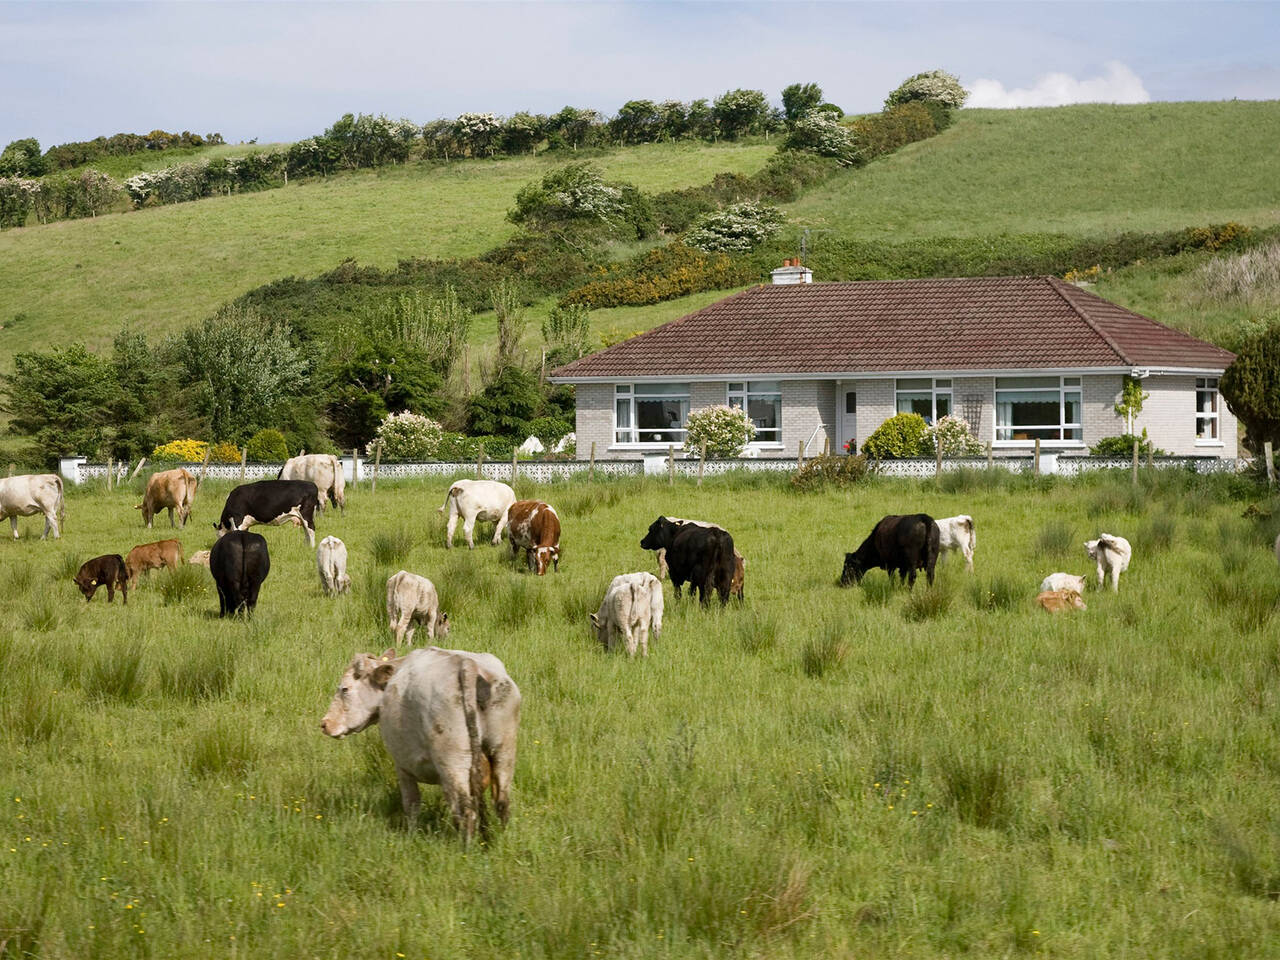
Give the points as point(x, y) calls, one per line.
point(819, 772)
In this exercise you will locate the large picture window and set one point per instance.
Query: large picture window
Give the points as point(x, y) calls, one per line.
point(650, 412)
point(928, 397)
point(762, 399)
point(1038, 408)
point(1207, 408)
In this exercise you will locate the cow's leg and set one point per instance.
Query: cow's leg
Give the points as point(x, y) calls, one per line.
point(468, 529)
point(968, 558)
point(1100, 574)
point(48, 525)
point(453, 525)
point(501, 525)
point(411, 625)
point(13, 522)
point(222, 601)
point(502, 766)
point(642, 638)
point(124, 592)
point(455, 783)
point(911, 578)
point(251, 597)
point(171, 523)
point(111, 591)
point(1115, 578)
point(628, 639)
point(410, 796)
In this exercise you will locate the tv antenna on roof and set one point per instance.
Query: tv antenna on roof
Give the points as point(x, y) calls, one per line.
point(804, 243)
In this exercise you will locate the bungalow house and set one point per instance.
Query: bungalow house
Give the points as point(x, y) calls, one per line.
point(1019, 358)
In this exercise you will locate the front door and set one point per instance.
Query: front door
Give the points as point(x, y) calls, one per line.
point(848, 423)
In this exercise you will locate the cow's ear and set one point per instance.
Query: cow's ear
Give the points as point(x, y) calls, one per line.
point(382, 675)
point(388, 654)
point(444, 618)
point(595, 621)
point(93, 582)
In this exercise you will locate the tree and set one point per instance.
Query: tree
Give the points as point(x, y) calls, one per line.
point(22, 158)
point(573, 193)
point(741, 112)
point(506, 406)
point(935, 85)
point(1131, 401)
point(799, 98)
point(573, 127)
point(245, 369)
point(1251, 387)
point(822, 133)
point(523, 132)
point(63, 400)
point(565, 332)
point(638, 121)
point(509, 312)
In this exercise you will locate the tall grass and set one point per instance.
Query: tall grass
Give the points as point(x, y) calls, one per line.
point(390, 548)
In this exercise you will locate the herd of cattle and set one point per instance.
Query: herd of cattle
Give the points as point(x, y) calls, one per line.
point(451, 716)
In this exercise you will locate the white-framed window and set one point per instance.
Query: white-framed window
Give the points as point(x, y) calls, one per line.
point(1044, 408)
point(1207, 409)
point(923, 395)
point(650, 412)
point(762, 399)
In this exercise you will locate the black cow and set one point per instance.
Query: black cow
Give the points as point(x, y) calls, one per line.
point(239, 563)
point(108, 570)
point(699, 556)
point(898, 543)
point(273, 502)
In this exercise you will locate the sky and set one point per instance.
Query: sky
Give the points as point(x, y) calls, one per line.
point(283, 71)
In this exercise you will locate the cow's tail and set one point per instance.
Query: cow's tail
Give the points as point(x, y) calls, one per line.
point(61, 511)
point(339, 485)
point(973, 536)
point(453, 492)
point(468, 679)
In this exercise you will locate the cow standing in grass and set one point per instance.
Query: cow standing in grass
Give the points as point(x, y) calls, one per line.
point(26, 495)
point(108, 570)
point(272, 502)
point(901, 544)
point(239, 562)
point(631, 607)
point(1112, 555)
point(322, 469)
point(169, 490)
point(474, 500)
point(701, 556)
point(534, 527)
point(152, 556)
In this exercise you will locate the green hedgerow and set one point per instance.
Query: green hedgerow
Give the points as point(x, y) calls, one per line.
point(903, 435)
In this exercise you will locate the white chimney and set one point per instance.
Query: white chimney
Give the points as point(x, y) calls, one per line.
point(792, 272)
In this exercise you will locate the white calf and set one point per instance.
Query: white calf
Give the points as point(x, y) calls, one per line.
point(412, 600)
point(1112, 554)
point(1063, 581)
point(632, 606)
point(331, 560)
point(477, 500)
point(956, 533)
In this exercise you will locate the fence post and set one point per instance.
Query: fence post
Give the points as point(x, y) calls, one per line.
point(799, 454)
point(109, 464)
point(1271, 463)
point(244, 458)
point(671, 464)
point(702, 459)
point(591, 470)
point(377, 462)
point(1035, 466)
point(13, 467)
point(826, 446)
point(480, 463)
point(514, 465)
point(1135, 463)
point(1151, 456)
point(937, 467)
point(141, 463)
point(205, 464)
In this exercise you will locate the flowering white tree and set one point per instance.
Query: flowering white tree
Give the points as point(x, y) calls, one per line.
point(407, 436)
point(936, 85)
point(726, 430)
point(478, 133)
point(821, 133)
point(737, 228)
point(954, 437)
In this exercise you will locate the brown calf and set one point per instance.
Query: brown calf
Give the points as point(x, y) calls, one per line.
point(535, 528)
point(108, 570)
point(739, 574)
point(152, 556)
point(168, 489)
point(1056, 601)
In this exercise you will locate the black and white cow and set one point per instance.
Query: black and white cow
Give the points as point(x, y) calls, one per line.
point(697, 555)
point(905, 544)
point(273, 502)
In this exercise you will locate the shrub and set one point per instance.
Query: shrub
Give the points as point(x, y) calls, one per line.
point(457, 447)
point(575, 192)
point(726, 431)
point(407, 436)
point(935, 85)
point(664, 273)
point(224, 453)
point(267, 446)
point(822, 133)
point(739, 112)
point(549, 430)
point(1251, 387)
point(736, 229)
point(881, 133)
point(902, 435)
point(506, 405)
point(820, 472)
point(1122, 446)
point(954, 437)
point(181, 451)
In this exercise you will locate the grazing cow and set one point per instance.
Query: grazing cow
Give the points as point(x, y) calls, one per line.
point(109, 571)
point(239, 562)
point(699, 556)
point(905, 544)
point(739, 574)
point(1112, 554)
point(1063, 581)
point(535, 528)
point(331, 559)
point(152, 556)
point(322, 469)
point(1057, 601)
point(412, 600)
point(29, 494)
point(447, 716)
point(169, 490)
point(739, 564)
point(200, 557)
point(477, 500)
point(273, 502)
point(631, 607)
point(956, 533)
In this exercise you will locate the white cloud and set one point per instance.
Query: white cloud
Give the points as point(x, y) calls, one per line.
point(1118, 85)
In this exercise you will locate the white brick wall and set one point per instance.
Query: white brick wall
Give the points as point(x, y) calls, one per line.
point(594, 419)
point(807, 405)
point(1169, 416)
point(1099, 395)
point(875, 406)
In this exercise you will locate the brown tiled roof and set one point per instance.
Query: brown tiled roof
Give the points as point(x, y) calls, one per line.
point(884, 326)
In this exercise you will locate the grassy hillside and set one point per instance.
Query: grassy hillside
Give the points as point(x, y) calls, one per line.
point(1083, 170)
point(821, 772)
point(162, 268)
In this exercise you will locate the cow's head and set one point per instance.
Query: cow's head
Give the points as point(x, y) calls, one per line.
point(88, 584)
point(1091, 547)
point(601, 629)
point(359, 696)
point(854, 568)
point(1074, 599)
point(661, 532)
point(542, 557)
point(442, 624)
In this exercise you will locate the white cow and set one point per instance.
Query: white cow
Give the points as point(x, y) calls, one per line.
point(956, 533)
point(1112, 554)
point(331, 560)
point(631, 606)
point(31, 494)
point(412, 600)
point(322, 469)
point(447, 716)
point(1063, 581)
point(477, 500)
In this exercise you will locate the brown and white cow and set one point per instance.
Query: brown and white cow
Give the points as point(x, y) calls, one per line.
point(152, 556)
point(29, 494)
point(535, 529)
point(412, 600)
point(169, 490)
point(447, 716)
point(1057, 601)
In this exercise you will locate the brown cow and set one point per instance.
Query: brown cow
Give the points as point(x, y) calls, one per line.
point(535, 528)
point(166, 490)
point(152, 556)
point(107, 570)
point(1056, 601)
point(739, 574)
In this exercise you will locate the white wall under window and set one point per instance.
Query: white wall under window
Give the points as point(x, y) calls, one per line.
point(650, 413)
point(1038, 408)
point(762, 399)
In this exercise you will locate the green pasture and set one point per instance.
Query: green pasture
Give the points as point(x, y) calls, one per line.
point(819, 772)
point(163, 268)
